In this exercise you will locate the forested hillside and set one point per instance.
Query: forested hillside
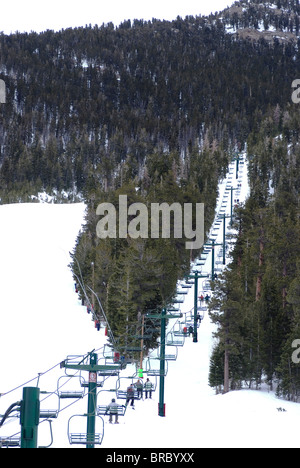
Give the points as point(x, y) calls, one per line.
point(156, 110)
point(87, 106)
point(258, 302)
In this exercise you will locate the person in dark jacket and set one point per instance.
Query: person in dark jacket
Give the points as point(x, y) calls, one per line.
point(130, 395)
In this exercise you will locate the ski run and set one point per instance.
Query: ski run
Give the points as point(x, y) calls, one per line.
point(42, 322)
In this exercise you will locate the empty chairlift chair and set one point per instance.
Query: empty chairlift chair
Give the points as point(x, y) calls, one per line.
point(10, 442)
point(171, 353)
point(173, 340)
point(153, 368)
point(206, 285)
point(66, 394)
point(77, 426)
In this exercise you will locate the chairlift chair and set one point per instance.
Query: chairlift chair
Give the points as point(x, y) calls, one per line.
point(174, 312)
point(121, 393)
point(206, 285)
point(171, 353)
point(186, 286)
point(102, 410)
point(154, 371)
point(48, 414)
point(174, 341)
point(108, 351)
point(181, 292)
point(82, 438)
point(181, 330)
point(72, 359)
point(70, 394)
point(169, 356)
point(189, 282)
point(7, 442)
point(178, 301)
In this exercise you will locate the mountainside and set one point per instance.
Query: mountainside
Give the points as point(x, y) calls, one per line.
point(156, 111)
point(88, 106)
point(276, 22)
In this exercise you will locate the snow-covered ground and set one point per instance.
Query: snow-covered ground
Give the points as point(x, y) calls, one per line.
point(42, 321)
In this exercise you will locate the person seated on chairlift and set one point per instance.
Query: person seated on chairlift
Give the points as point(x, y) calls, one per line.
point(139, 387)
point(148, 388)
point(112, 409)
point(130, 395)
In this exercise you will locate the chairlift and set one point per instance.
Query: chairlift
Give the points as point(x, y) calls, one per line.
point(108, 352)
point(133, 349)
point(171, 353)
point(109, 372)
point(102, 410)
point(169, 356)
point(153, 371)
point(70, 394)
point(189, 282)
point(121, 392)
point(82, 438)
point(206, 285)
point(51, 435)
point(174, 341)
point(72, 359)
point(7, 442)
point(50, 413)
point(178, 301)
point(180, 330)
point(174, 312)
point(186, 286)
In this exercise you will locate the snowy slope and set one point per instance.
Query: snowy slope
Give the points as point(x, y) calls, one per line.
point(42, 321)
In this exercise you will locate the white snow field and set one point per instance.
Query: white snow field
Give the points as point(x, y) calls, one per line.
point(42, 322)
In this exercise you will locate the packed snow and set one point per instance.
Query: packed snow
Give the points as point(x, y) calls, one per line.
point(42, 322)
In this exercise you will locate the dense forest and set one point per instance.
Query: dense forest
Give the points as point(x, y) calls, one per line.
point(156, 110)
point(256, 303)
